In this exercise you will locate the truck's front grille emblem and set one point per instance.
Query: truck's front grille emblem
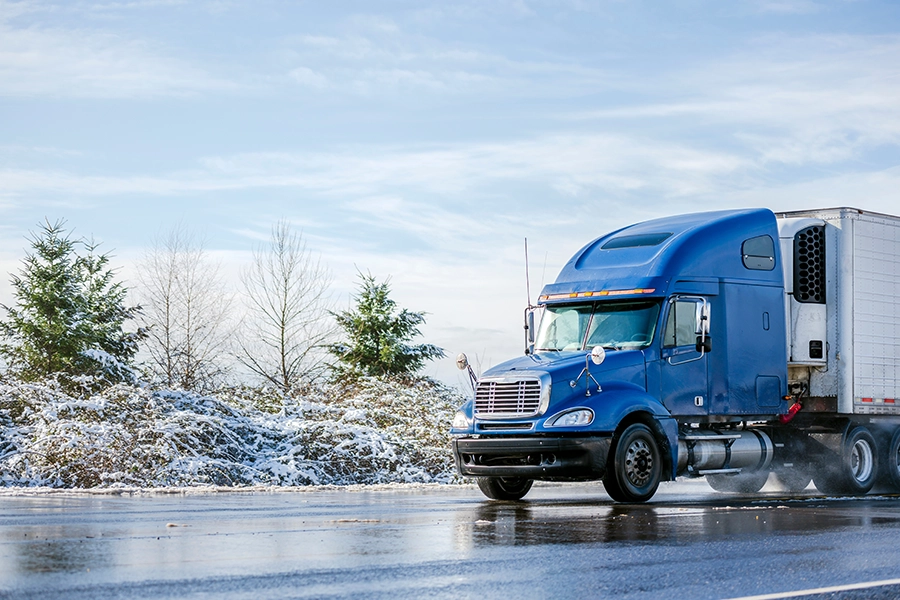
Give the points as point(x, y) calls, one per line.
point(508, 398)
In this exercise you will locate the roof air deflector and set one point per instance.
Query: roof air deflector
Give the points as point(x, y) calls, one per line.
point(636, 241)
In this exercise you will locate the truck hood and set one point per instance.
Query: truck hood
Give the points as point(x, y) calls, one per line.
point(562, 365)
point(622, 377)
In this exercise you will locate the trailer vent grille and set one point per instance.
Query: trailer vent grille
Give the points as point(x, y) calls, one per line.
point(514, 398)
point(809, 265)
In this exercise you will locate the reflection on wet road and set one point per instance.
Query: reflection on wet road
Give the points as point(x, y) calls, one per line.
point(508, 524)
point(564, 541)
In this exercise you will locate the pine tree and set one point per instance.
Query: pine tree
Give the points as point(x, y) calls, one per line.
point(69, 313)
point(378, 335)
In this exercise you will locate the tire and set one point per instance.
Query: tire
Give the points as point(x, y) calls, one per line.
point(504, 488)
point(889, 467)
point(635, 466)
point(853, 472)
point(740, 483)
point(793, 480)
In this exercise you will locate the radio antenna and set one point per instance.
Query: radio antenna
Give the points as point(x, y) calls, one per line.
point(527, 280)
point(529, 310)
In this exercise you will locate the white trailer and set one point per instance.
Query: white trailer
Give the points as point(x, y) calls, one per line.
point(842, 294)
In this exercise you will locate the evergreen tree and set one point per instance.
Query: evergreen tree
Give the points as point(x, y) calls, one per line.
point(378, 335)
point(69, 313)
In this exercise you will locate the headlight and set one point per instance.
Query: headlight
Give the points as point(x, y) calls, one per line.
point(573, 418)
point(460, 421)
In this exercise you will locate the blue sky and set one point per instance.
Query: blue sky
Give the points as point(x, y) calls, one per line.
point(425, 140)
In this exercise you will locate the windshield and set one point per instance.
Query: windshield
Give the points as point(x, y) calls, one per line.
point(615, 325)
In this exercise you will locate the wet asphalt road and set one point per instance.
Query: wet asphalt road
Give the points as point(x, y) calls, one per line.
point(566, 541)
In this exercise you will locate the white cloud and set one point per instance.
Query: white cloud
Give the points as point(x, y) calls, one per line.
point(308, 77)
point(373, 56)
point(573, 163)
point(65, 63)
point(376, 23)
point(444, 226)
point(874, 191)
point(793, 7)
point(134, 5)
point(791, 100)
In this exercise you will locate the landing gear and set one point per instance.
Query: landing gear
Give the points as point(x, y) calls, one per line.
point(504, 488)
point(635, 466)
point(854, 470)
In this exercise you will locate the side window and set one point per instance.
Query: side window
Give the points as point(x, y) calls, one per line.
point(758, 253)
point(681, 324)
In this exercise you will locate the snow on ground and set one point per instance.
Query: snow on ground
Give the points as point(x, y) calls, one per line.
point(369, 432)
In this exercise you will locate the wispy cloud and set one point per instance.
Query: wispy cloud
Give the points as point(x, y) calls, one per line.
point(37, 61)
point(869, 190)
point(374, 56)
point(570, 164)
point(791, 7)
point(788, 99)
point(131, 5)
point(440, 226)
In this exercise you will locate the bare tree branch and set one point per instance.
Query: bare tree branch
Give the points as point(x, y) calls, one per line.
point(288, 322)
point(186, 313)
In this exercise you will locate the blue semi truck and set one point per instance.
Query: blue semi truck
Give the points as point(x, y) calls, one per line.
point(733, 345)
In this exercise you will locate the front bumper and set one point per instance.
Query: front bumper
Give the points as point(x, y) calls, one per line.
point(546, 458)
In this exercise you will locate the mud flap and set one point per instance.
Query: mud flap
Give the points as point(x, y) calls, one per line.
point(667, 429)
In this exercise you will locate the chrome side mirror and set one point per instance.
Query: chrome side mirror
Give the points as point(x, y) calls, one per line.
point(596, 356)
point(529, 330)
point(704, 346)
point(701, 317)
point(462, 363)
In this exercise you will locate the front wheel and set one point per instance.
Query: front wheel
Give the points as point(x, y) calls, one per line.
point(504, 488)
point(635, 467)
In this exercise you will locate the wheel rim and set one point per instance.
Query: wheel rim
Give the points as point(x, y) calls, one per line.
point(861, 461)
point(638, 463)
point(897, 461)
point(512, 485)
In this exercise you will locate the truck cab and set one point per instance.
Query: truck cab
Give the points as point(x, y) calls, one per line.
point(729, 345)
point(657, 344)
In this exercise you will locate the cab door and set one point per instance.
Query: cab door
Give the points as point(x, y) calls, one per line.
point(684, 365)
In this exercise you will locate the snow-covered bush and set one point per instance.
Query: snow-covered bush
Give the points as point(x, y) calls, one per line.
point(373, 431)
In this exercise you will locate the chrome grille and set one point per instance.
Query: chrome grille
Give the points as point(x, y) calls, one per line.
point(508, 398)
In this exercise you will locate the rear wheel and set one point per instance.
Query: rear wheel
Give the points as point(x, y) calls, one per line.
point(504, 488)
point(635, 467)
point(853, 471)
point(893, 460)
point(795, 479)
point(739, 483)
point(889, 465)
